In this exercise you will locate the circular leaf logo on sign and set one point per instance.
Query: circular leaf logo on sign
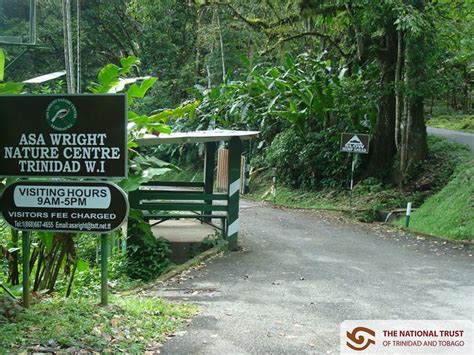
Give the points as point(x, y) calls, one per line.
point(61, 114)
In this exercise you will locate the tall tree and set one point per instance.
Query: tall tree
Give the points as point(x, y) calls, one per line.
point(356, 32)
point(414, 147)
point(68, 53)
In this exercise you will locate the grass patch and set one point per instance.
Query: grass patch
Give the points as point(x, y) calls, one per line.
point(445, 159)
point(369, 197)
point(287, 197)
point(449, 213)
point(449, 210)
point(132, 324)
point(463, 123)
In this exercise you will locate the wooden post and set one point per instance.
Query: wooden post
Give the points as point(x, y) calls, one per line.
point(222, 169)
point(233, 189)
point(209, 165)
point(26, 268)
point(104, 251)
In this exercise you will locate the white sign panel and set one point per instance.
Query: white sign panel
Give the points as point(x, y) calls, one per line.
point(87, 197)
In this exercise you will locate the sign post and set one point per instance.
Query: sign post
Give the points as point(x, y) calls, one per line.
point(354, 158)
point(64, 136)
point(104, 256)
point(25, 244)
point(354, 143)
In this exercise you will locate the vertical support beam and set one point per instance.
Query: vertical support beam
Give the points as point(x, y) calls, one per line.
point(353, 156)
point(32, 29)
point(246, 174)
point(104, 251)
point(209, 165)
point(25, 245)
point(233, 188)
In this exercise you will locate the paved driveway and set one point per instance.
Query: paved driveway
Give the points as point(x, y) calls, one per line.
point(300, 274)
point(456, 136)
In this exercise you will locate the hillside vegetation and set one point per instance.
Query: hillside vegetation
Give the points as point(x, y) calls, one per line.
point(455, 122)
point(450, 212)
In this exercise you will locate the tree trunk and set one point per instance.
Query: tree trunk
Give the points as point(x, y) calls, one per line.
point(414, 148)
point(209, 84)
point(383, 148)
point(416, 135)
point(68, 54)
point(221, 43)
point(405, 119)
point(455, 101)
point(357, 31)
point(78, 46)
point(198, 46)
point(398, 93)
point(465, 89)
point(322, 46)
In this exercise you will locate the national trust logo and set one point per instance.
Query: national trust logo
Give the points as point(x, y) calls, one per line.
point(61, 114)
point(360, 338)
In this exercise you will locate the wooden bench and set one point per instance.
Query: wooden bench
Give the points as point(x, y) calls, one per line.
point(162, 201)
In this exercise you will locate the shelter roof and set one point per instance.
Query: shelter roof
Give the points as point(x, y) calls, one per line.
point(216, 135)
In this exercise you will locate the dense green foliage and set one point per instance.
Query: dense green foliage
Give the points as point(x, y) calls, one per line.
point(147, 256)
point(305, 93)
point(369, 66)
point(305, 161)
point(300, 107)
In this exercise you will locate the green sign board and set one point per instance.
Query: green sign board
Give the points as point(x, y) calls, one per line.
point(63, 136)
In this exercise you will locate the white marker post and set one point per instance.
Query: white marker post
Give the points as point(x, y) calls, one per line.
point(273, 188)
point(407, 222)
point(354, 159)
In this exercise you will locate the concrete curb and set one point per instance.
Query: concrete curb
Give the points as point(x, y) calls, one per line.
point(188, 264)
point(176, 270)
point(444, 239)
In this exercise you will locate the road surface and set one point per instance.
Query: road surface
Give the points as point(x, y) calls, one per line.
point(456, 136)
point(301, 273)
